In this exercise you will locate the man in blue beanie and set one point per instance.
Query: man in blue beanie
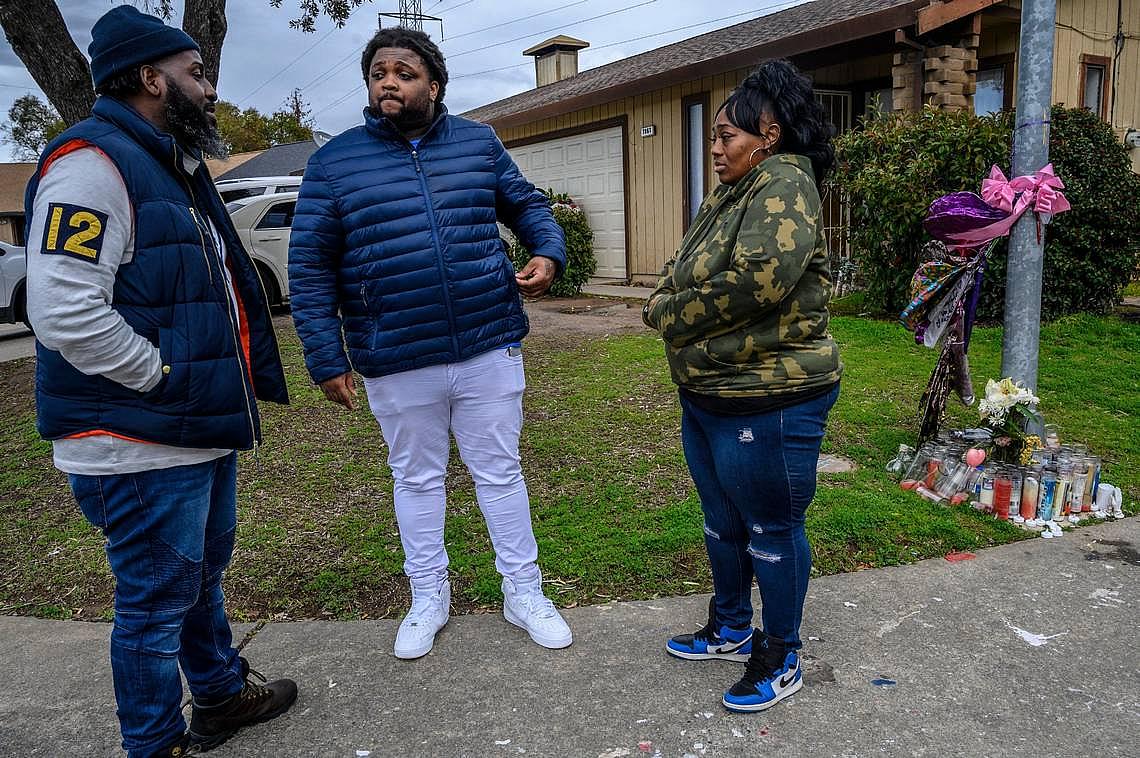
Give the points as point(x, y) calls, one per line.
point(154, 345)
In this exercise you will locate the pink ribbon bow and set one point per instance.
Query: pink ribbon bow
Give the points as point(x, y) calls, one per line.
point(1041, 192)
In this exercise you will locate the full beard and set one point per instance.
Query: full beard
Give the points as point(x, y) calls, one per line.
point(412, 116)
point(190, 125)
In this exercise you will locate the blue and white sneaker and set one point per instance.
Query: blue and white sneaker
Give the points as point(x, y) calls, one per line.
point(770, 676)
point(711, 643)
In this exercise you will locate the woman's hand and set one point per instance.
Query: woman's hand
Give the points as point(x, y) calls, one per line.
point(537, 276)
point(341, 390)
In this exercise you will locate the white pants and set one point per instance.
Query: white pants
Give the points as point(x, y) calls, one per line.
point(479, 401)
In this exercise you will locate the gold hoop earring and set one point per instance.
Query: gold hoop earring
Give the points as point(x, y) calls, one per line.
point(753, 153)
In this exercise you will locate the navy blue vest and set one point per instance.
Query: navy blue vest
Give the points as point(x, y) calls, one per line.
point(173, 293)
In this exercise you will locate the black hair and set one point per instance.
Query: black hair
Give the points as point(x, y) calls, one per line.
point(125, 84)
point(409, 39)
point(778, 89)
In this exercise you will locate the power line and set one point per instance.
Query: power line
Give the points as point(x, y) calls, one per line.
point(338, 101)
point(336, 68)
point(287, 66)
point(595, 48)
point(453, 56)
point(518, 20)
point(343, 63)
point(457, 5)
point(767, 7)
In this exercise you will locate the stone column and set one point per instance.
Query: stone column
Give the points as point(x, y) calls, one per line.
point(950, 74)
point(907, 80)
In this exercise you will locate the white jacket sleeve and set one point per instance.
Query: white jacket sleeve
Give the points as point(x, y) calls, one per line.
point(81, 233)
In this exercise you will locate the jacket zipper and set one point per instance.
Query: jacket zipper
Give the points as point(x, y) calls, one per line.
point(202, 240)
point(229, 306)
point(439, 253)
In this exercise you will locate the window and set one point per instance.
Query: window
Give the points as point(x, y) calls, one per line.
point(877, 103)
point(994, 85)
point(279, 216)
point(694, 113)
point(287, 188)
point(1093, 85)
point(989, 97)
point(237, 194)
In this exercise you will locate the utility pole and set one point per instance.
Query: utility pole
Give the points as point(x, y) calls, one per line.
point(411, 16)
point(1022, 334)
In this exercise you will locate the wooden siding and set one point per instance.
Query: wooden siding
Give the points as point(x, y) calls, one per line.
point(1085, 28)
point(655, 181)
point(655, 184)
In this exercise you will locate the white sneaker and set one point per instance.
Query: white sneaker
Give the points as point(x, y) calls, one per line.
point(525, 606)
point(430, 611)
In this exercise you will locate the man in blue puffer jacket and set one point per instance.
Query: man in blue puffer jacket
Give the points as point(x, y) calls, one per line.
point(154, 344)
point(395, 246)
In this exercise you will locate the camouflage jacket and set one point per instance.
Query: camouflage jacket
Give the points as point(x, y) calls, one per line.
point(742, 307)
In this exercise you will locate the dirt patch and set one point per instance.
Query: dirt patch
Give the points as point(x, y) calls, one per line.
point(17, 382)
point(318, 538)
point(592, 316)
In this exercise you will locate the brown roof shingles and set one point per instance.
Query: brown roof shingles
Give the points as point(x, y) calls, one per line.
point(796, 30)
point(13, 181)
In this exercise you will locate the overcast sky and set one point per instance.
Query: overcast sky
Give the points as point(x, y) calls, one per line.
point(263, 59)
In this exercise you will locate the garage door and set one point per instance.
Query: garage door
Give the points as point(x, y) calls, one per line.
point(588, 168)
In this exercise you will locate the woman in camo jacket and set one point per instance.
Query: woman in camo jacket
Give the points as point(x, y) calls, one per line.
point(742, 309)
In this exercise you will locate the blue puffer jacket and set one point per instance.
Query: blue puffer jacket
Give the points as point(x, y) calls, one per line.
point(173, 293)
point(399, 246)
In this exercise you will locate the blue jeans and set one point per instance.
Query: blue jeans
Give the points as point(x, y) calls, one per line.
point(755, 476)
point(170, 535)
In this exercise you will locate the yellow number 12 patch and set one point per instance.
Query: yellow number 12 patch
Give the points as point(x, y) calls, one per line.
point(75, 231)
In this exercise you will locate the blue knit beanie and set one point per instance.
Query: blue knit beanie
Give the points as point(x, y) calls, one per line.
point(125, 38)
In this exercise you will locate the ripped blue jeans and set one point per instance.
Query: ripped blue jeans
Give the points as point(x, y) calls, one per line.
point(755, 476)
point(170, 535)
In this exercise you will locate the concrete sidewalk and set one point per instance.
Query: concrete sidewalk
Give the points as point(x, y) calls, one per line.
point(617, 290)
point(1028, 650)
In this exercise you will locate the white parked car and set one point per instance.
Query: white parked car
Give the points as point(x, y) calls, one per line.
point(236, 189)
point(13, 285)
point(264, 223)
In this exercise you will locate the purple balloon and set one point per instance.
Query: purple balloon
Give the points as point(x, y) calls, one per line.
point(959, 212)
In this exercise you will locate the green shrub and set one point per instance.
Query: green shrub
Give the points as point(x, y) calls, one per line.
point(1092, 251)
point(894, 168)
point(580, 261)
point(890, 172)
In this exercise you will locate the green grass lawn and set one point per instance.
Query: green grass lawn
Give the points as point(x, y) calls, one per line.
point(613, 506)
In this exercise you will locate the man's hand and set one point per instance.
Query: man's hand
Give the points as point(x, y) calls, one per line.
point(341, 390)
point(537, 276)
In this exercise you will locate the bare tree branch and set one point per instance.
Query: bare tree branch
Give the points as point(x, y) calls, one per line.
point(39, 37)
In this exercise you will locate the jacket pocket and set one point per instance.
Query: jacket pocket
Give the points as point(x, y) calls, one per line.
point(165, 350)
point(507, 274)
point(88, 491)
point(371, 305)
point(712, 357)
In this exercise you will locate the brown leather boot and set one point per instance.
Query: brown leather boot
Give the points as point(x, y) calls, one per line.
point(214, 723)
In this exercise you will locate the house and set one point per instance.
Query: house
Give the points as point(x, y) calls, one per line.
point(221, 166)
point(13, 181)
point(288, 159)
point(628, 140)
point(279, 160)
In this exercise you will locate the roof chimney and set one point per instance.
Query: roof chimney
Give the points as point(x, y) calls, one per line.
point(555, 59)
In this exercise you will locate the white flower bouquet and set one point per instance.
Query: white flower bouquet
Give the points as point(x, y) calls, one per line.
point(1007, 409)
